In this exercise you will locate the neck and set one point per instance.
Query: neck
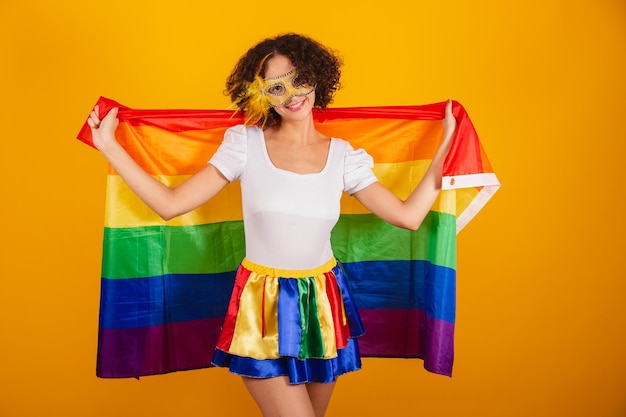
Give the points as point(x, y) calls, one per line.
point(301, 131)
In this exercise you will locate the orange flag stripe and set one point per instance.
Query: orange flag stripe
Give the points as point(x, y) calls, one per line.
point(195, 147)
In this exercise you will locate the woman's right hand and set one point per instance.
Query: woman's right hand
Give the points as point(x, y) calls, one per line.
point(103, 130)
point(449, 121)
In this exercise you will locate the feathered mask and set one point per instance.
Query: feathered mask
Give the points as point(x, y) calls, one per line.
point(256, 101)
point(261, 94)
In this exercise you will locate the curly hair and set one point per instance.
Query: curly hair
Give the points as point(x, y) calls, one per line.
point(317, 65)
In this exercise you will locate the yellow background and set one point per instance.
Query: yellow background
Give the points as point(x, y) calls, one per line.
point(541, 311)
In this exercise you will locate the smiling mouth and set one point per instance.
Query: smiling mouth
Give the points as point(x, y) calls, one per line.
point(295, 106)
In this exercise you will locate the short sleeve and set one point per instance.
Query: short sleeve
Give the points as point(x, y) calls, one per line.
point(231, 157)
point(358, 172)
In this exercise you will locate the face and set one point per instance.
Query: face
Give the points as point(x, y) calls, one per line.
point(288, 96)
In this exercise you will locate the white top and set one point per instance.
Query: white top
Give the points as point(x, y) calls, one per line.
point(288, 216)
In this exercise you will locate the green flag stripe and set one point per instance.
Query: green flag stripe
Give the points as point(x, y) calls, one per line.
point(219, 247)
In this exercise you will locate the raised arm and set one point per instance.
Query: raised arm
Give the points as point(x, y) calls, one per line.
point(410, 213)
point(165, 201)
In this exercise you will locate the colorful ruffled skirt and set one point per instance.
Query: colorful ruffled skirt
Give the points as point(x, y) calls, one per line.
point(299, 323)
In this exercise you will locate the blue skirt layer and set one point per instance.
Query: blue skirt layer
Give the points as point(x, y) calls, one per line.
point(299, 370)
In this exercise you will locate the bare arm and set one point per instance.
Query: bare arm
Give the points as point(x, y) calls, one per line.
point(165, 201)
point(410, 213)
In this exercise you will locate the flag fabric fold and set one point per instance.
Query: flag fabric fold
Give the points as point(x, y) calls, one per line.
point(165, 285)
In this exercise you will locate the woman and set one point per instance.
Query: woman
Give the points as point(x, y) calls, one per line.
point(291, 323)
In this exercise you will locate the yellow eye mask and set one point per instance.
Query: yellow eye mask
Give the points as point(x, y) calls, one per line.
point(281, 88)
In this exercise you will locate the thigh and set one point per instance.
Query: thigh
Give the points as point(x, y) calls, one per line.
point(276, 397)
point(320, 396)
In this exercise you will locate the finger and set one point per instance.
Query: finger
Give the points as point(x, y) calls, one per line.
point(449, 107)
point(93, 124)
point(93, 120)
point(112, 114)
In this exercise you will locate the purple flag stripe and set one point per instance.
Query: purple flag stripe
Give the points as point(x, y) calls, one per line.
point(133, 352)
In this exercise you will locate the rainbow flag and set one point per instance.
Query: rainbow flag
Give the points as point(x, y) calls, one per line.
point(165, 285)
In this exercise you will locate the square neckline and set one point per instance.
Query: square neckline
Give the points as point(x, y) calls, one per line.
point(266, 155)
